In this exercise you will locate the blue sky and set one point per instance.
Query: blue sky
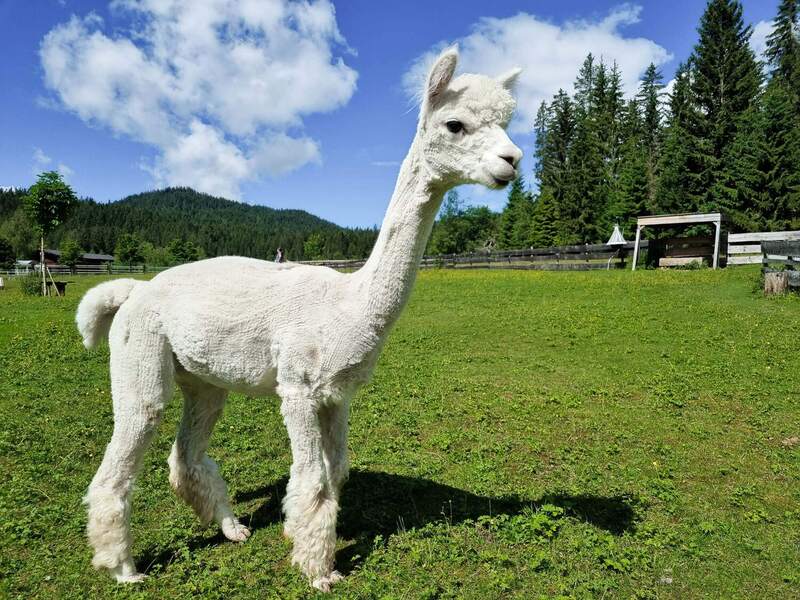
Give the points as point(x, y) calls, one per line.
point(292, 105)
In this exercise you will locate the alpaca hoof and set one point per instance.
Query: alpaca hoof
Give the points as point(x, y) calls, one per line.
point(135, 578)
point(235, 531)
point(288, 531)
point(324, 584)
point(127, 574)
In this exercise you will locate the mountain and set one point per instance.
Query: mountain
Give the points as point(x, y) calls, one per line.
point(218, 226)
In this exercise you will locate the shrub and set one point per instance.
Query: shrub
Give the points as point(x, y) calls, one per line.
point(31, 284)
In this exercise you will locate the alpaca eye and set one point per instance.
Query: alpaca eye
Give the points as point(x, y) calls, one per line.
point(454, 126)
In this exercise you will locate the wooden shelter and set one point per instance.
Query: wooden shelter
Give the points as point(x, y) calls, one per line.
point(681, 220)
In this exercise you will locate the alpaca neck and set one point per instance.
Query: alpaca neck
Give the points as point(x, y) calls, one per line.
point(386, 280)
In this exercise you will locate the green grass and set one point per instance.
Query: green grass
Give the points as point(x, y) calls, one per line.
point(526, 435)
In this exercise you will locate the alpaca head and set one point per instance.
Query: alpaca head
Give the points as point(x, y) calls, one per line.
point(462, 126)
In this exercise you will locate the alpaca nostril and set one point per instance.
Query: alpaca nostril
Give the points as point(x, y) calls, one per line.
point(509, 159)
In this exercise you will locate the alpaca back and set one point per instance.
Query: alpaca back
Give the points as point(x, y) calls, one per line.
point(99, 305)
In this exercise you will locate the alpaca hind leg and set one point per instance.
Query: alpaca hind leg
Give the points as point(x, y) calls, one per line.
point(310, 505)
point(192, 473)
point(141, 384)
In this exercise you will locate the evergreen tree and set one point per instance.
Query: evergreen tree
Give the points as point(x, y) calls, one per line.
point(446, 237)
point(607, 123)
point(680, 186)
point(7, 256)
point(516, 217)
point(584, 83)
point(587, 183)
point(540, 126)
point(560, 135)
point(183, 251)
point(631, 199)
point(543, 230)
point(649, 98)
point(783, 45)
point(725, 82)
point(763, 188)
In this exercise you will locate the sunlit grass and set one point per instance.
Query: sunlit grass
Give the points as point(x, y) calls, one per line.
point(526, 434)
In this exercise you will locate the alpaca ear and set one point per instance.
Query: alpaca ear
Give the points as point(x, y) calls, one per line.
point(509, 79)
point(440, 75)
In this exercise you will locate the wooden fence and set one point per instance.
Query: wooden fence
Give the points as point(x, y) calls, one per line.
point(582, 257)
point(113, 269)
point(745, 248)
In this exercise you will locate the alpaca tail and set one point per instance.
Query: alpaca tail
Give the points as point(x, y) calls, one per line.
point(98, 306)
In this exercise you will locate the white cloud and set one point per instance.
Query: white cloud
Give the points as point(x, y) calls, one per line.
point(42, 162)
point(219, 88)
point(65, 171)
point(549, 55)
point(758, 41)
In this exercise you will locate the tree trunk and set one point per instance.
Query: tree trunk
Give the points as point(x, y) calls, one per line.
point(42, 265)
point(776, 283)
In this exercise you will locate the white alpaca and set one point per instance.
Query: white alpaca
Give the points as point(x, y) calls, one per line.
point(309, 333)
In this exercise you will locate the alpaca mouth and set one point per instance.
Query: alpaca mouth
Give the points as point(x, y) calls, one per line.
point(501, 183)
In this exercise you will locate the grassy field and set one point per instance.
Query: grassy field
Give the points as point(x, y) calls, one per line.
point(526, 435)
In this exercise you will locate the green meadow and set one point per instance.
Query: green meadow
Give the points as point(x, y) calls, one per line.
point(525, 435)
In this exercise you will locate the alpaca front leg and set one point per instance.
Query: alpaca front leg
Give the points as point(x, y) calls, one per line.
point(310, 505)
point(333, 420)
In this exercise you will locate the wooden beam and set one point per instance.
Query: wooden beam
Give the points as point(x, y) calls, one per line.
point(636, 246)
point(766, 236)
point(682, 219)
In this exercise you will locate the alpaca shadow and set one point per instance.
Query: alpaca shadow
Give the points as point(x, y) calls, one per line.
point(376, 504)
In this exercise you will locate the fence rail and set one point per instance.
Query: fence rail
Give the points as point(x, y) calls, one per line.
point(745, 248)
point(87, 270)
point(555, 258)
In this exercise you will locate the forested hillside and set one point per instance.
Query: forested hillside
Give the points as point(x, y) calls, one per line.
point(213, 225)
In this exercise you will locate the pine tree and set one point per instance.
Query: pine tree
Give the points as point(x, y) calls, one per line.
point(680, 186)
point(543, 230)
point(555, 167)
point(540, 128)
point(763, 191)
point(632, 195)
point(516, 217)
point(606, 122)
point(587, 191)
point(725, 82)
point(584, 83)
point(783, 45)
point(782, 140)
point(588, 184)
point(649, 98)
point(7, 256)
